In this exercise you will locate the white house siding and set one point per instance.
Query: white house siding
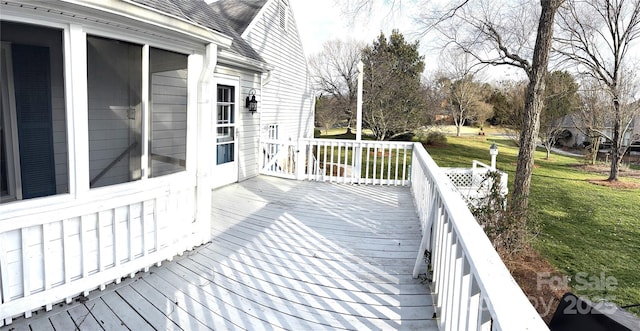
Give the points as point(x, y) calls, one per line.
point(247, 124)
point(287, 97)
point(168, 120)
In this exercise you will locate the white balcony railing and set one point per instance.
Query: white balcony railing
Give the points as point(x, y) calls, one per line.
point(472, 288)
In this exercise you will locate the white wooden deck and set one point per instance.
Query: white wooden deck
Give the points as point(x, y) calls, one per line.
point(284, 255)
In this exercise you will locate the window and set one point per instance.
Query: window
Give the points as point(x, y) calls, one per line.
point(273, 135)
point(168, 100)
point(273, 131)
point(225, 124)
point(114, 79)
point(116, 115)
point(33, 137)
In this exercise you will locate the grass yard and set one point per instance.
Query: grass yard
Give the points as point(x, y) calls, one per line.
point(588, 232)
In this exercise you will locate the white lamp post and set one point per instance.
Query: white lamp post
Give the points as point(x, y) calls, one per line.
point(359, 103)
point(493, 151)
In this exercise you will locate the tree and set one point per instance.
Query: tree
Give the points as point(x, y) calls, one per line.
point(464, 95)
point(328, 112)
point(392, 100)
point(465, 101)
point(335, 73)
point(498, 33)
point(590, 119)
point(596, 36)
point(561, 99)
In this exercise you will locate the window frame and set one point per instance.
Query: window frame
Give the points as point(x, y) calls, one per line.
point(74, 32)
point(10, 126)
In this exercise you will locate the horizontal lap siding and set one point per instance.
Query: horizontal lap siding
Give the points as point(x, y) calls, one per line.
point(59, 131)
point(287, 98)
point(168, 119)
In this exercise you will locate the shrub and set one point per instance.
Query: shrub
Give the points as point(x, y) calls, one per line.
point(436, 138)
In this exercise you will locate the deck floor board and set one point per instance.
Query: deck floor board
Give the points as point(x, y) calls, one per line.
point(284, 255)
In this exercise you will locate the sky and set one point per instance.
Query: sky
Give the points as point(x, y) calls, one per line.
point(321, 20)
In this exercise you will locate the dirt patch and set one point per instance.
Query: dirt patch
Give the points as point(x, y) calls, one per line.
point(540, 281)
point(616, 184)
point(603, 169)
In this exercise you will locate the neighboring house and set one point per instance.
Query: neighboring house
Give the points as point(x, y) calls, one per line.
point(117, 120)
point(572, 124)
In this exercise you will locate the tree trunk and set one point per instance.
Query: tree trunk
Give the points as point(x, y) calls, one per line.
point(533, 106)
point(458, 130)
point(595, 147)
point(616, 143)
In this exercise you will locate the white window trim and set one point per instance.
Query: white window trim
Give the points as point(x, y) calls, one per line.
point(10, 125)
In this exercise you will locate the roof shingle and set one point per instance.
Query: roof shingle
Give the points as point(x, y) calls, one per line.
point(198, 12)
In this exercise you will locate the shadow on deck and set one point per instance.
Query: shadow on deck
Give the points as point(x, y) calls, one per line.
point(284, 255)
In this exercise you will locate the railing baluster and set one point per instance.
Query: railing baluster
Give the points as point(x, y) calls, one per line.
point(404, 165)
point(445, 271)
point(473, 307)
point(395, 180)
point(101, 246)
point(5, 296)
point(484, 315)
point(337, 165)
point(388, 182)
point(46, 256)
point(456, 281)
point(437, 252)
point(26, 270)
point(324, 169)
point(115, 241)
point(143, 230)
point(375, 164)
point(84, 255)
point(366, 173)
point(465, 294)
point(67, 254)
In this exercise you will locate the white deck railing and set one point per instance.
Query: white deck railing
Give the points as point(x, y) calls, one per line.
point(56, 252)
point(341, 161)
point(472, 288)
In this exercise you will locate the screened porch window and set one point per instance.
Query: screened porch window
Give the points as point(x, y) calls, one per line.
point(168, 100)
point(116, 116)
point(114, 78)
point(33, 136)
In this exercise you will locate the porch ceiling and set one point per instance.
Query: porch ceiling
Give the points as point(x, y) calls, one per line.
point(284, 255)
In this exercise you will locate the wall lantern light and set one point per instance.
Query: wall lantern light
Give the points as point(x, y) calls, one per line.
point(251, 103)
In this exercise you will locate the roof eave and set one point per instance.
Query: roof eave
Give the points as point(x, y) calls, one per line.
point(231, 58)
point(135, 11)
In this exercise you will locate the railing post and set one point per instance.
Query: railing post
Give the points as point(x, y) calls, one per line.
point(357, 166)
point(301, 156)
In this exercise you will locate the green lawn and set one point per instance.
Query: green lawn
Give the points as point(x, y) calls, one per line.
point(590, 233)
